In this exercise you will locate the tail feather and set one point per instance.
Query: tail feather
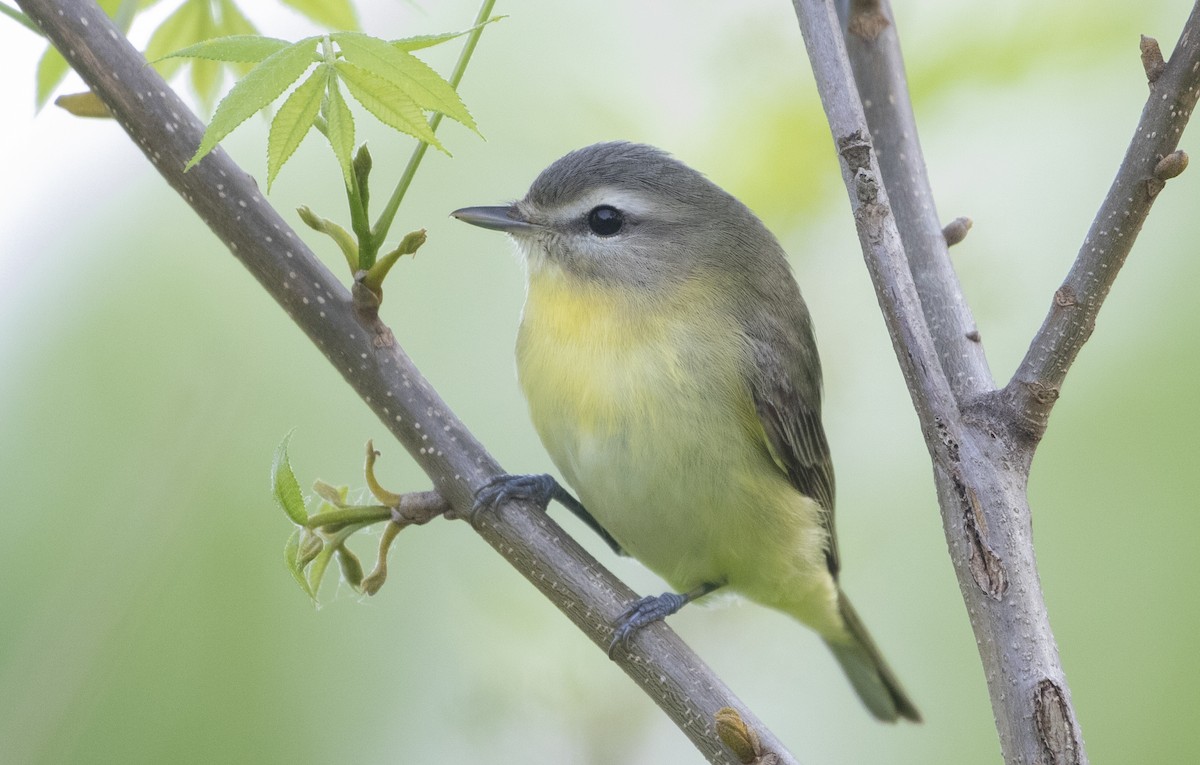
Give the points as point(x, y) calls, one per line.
point(868, 672)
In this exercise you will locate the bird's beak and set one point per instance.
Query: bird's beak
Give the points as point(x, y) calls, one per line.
point(505, 219)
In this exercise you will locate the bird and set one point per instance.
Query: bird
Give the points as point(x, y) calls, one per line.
point(671, 371)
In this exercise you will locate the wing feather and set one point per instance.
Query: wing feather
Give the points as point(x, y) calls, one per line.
point(787, 397)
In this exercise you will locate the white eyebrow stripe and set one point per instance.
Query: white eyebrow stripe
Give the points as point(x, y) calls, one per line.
point(624, 200)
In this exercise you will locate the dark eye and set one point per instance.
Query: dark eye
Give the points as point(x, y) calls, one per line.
point(605, 220)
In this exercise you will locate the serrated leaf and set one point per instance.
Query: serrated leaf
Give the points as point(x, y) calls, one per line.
point(407, 72)
point(339, 127)
point(291, 559)
point(206, 75)
point(255, 91)
point(428, 41)
point(187, 24)
point(233, 23)
point(284, 485)
point(51, 71)
point(234, 48)
point(335, 14)
point(293, 121)
point(389, 105)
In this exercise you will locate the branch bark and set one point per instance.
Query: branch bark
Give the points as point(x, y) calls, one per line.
point(873, 47)
point(367, 355)
point(1150, 161)
point(982, 441)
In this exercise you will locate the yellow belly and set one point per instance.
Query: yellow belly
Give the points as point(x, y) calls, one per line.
point(645, 413)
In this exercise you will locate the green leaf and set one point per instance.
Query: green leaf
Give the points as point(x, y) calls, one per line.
point(256, 91)
point(316, 569)
point(187, 24)
point(362, 175)
point(206, 81)
point(407, 72)
point(291, 559)
point(389, 105)
point(233, 23)
point(310, 547)
point(235, 48)
point(428, 41)
point(339, 126)
point(51, 70)
point(284, 485)
point(334, 14)
point(293, 121)
point(352, 570)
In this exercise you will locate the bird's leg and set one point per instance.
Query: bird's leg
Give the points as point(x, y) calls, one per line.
point(653, 608)
point(538, 489)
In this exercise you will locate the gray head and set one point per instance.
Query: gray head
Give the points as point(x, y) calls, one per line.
point(632, 214)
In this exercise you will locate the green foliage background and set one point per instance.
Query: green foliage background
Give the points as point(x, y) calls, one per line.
point(146, 616)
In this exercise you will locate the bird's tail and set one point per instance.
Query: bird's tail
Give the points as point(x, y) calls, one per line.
point(868, 672)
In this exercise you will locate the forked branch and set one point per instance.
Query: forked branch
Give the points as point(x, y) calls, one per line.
point(982, 440)
point(1150, 161)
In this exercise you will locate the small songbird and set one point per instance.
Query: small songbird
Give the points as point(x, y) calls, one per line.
point(671, 371)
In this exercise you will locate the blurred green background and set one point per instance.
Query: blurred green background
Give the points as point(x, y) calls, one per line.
point(145, 613)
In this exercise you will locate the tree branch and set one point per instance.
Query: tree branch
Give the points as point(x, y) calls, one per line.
point(1149, 162)
point(365, 352)
point(877, 231)
point(873, 46)
point(978, 473)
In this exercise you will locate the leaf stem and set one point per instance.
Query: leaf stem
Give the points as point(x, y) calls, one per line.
point(21, 19)
point(354, 199)
point(379, 233)
point(364, 514)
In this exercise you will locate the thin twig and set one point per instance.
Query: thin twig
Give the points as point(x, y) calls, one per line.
point(1173, 93)
point(366, 354)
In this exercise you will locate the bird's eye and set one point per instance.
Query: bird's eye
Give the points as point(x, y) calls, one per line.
point(605, 220)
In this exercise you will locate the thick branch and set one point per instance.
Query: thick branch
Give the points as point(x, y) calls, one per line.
point(366, 354)
point(874, 50)
point(1174, 89)
point(981, 489)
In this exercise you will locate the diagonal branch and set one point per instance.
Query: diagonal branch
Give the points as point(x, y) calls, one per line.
point(365, 352)
point(1149, 162)
point(873, 46)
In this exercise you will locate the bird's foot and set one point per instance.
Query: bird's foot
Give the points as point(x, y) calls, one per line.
point(538, 489)
point(645, 611)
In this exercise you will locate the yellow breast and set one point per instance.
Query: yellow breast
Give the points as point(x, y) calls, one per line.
point(592, 357)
